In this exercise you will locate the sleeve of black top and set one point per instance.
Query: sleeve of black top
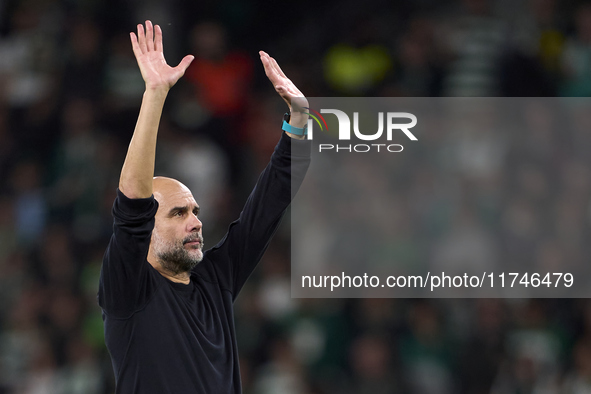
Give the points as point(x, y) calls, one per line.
point(237, 254)
point(125, 282)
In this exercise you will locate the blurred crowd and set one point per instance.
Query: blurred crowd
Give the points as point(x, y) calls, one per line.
point(70, 91)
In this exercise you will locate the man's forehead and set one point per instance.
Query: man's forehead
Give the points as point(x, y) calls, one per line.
point(168, 191)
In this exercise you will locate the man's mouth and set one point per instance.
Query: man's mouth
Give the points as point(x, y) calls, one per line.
point(192, 241)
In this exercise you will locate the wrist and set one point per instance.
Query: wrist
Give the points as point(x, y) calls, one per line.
point(158, 94)
point(159, 89)
point(298, 119)
point(292, 130)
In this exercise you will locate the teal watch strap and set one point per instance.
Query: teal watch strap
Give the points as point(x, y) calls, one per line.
point(294, 130)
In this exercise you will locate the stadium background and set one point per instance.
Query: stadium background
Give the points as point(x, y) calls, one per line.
point(70, 93)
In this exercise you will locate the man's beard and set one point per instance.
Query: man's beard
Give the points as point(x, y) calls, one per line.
point(173, 256)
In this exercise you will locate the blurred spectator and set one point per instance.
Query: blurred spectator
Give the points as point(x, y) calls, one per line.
point(20, 338)
point(123, 85)
point(373, 371)
point(427, 352)
point(79, 170)
point(82, 373)
point(531, 63)
point(7, 144)
point(30, 206)
point(221, 80)
point(57, 265)
point(221, 76)
point(579, 380)
point(357, 65)
point(480, 357)
point(84, 64)
point(282, 374)
point(576, 59)
point(29, 54)
point(535, 351)
point(8, 239)
point(42, 373)
point(418, 71)
point(468, 247)
point(474, 38)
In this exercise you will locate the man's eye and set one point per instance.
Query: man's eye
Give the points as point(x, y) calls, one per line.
point(178, 213)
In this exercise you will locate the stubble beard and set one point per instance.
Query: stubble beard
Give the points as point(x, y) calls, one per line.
point(174, 257)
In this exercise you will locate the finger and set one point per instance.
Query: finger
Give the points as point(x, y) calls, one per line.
point(294, 91)
point(288, 86)
point(158, 41)
point(269, 71)
point(266, 65)
point(280, 76)
point(149, 36)
point(277, 68)
point(135, 45)
point(274, 65)
point(269, 63)
point(184, 64)
point(141, 36)
point(264, 58)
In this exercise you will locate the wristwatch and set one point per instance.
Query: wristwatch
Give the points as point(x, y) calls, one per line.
point(291, 129)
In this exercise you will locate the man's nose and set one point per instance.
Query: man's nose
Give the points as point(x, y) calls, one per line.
point(194, 223)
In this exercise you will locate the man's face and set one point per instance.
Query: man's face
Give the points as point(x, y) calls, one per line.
point(177, 242)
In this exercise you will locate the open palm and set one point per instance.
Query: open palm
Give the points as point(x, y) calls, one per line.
point(283, 85)
point(148, 50)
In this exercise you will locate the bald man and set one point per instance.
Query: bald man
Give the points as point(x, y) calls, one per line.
point(167, 304)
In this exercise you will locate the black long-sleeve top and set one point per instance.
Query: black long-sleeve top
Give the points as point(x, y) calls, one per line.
point(166, 337)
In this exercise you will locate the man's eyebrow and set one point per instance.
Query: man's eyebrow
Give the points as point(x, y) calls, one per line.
point(183, 209)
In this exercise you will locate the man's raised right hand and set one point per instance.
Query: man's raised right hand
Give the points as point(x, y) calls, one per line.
point(147, 47)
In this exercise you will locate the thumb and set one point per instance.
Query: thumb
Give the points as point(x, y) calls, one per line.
point(182, 66)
